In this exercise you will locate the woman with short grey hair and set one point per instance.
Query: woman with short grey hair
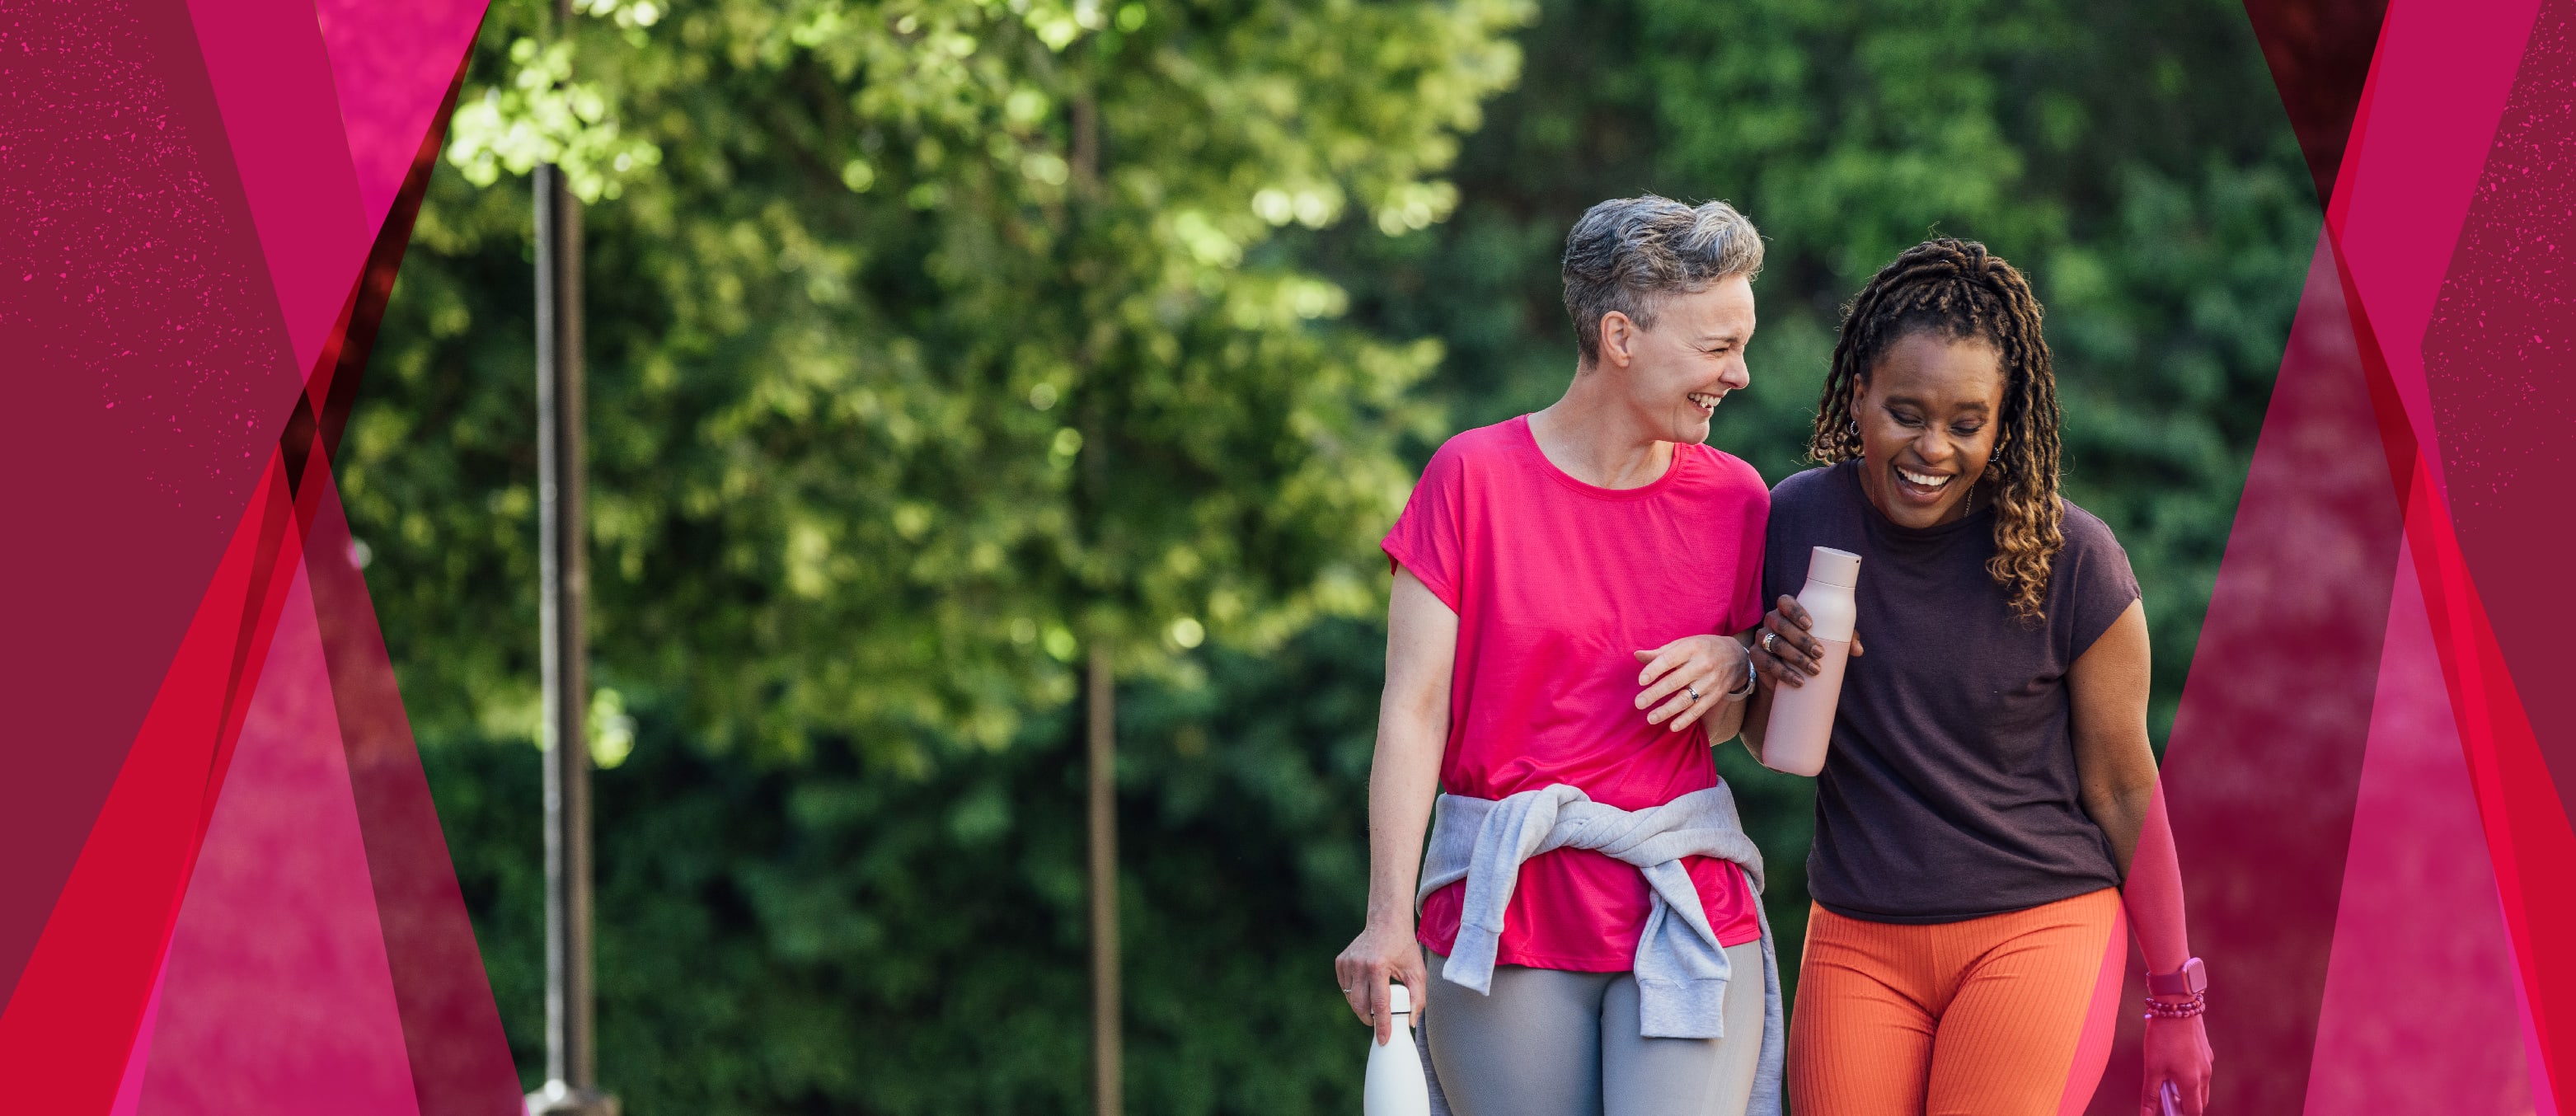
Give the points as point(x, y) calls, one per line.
point(1562, 648)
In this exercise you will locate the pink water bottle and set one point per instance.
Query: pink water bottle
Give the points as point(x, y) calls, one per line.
point(1802, 717)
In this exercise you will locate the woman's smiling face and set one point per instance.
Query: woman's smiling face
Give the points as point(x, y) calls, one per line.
point(1674, 375)
point(1929, 412)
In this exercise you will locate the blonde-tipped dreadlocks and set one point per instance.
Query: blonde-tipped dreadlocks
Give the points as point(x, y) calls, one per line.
point(1956, 289)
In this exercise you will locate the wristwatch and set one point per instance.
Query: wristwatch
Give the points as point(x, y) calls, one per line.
point(2189, 980)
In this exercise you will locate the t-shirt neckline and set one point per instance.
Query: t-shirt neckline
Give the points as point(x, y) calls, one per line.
point(1527, 440)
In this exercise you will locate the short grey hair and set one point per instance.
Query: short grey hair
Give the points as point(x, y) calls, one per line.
point(1627, 254)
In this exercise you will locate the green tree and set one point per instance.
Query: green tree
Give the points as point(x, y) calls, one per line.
point(2132, 157)
point(930, 340)
point(836, 538)
point(932, 344)
point(820, 937)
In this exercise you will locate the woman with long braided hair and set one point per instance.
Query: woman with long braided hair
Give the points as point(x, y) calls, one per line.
point(1987, 820)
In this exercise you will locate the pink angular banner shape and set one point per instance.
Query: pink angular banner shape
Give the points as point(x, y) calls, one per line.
point(2421, 1010)
point(277, 995)
point(2387, 814)
point(272, 78)
point(2264, 762)
point(2457, 235)
point(391, 61)
point(2437, 89)
point(69, 1022)
point(460, 1059)
point(2499, 365)
point(2500, 370)
point(183, 201)
point(129, 1090)
point(156, 379)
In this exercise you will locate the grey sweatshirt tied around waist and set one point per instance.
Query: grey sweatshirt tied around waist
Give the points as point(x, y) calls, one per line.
point(1681, 971)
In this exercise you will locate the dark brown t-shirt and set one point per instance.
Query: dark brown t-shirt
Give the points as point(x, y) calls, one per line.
point(1950, 790)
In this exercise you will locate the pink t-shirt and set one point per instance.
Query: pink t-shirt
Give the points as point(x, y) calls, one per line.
point(1556, 583)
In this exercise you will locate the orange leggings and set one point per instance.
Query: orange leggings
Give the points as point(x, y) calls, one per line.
point(2006, 1015)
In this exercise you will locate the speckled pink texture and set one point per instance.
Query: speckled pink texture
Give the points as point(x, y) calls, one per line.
point(148, 375)
point(2435, 836)
point(181, 226)
point(2436, 90)
point(2500, 363)
point(281, 111)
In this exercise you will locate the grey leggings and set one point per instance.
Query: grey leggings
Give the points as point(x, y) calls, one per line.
point(1554, 1043)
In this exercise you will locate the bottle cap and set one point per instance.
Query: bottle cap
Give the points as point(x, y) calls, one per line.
point(1834, 567)
point(1399, 999)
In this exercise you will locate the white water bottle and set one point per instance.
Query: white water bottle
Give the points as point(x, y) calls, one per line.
point(1395, 1086)
point(1802, 717)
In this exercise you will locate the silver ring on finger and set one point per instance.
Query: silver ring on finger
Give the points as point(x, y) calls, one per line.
point(1771, 643)
point(1693, 693)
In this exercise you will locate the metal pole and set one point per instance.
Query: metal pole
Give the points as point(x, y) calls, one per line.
point(563, 598)
point(1101, 732)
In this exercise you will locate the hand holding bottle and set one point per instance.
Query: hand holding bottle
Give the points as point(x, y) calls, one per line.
point(1385, 953)
point(1394, 1084)
point(1791, 656)
point(1799, 728)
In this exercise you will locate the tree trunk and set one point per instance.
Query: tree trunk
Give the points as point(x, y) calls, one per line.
point(1106, 1069)
point(1100, 685)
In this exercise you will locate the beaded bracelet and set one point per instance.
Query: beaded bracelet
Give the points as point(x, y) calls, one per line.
point(2164, 1009)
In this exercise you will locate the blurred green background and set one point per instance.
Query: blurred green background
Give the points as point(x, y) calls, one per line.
point(932, 343)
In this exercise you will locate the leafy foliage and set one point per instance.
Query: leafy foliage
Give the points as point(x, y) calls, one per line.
point(819, 937)
point(941, 339)
point(892, 406)
point(2131, 158)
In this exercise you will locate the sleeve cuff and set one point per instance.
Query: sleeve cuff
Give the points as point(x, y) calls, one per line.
point(1431, 579)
